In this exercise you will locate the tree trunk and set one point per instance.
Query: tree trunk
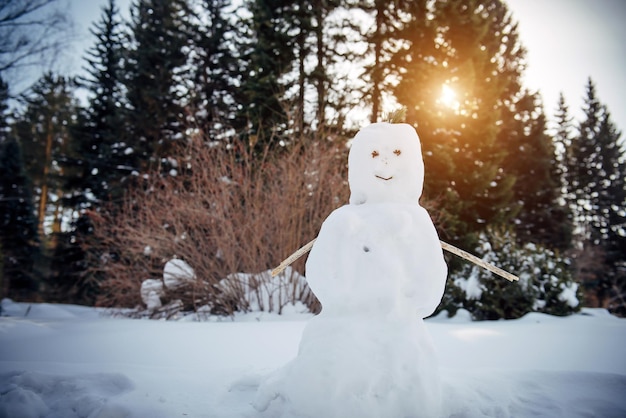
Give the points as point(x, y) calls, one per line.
point(320, 71)
point(43, 197)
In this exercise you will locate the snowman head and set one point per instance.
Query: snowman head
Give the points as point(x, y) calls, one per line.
point(385, 165)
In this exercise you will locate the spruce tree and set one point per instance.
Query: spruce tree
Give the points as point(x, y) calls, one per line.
point(562, 139)
point(564, 132)
point(18, 240)
point(382, 39)
point(155, 77)
point(19, 246)
point(582, 159)
point(101, 128)
point(329, 50)
point(216, 69)
point(531, 159)
point(44, 132)
point(268, 54)
point(597, 194)
point(459, 67)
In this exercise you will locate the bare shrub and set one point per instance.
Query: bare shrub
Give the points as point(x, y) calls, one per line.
point(226, 211)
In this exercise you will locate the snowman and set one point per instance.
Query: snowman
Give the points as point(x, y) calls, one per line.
point(377, 268)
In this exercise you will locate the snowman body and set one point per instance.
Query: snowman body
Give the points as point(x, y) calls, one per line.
point(377, 268)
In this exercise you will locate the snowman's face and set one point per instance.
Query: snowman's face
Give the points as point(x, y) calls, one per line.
point(385, 165)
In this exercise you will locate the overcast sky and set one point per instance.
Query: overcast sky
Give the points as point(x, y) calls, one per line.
point(567, 42)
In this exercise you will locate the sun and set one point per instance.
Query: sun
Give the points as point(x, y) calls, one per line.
point(448, 97)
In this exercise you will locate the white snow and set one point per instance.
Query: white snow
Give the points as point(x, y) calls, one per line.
point(176, 272)
point(377, 268)
point(266, 293)
point(151, 293)
point(471, 285)
point(568, 294)
point(70, 361)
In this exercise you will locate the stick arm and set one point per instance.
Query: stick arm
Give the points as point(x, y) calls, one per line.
point(447, 247)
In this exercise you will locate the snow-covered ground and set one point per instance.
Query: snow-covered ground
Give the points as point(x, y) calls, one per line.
point(69, 361)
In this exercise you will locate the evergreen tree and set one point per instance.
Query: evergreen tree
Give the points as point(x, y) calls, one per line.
point(19, 241)
point(268, 55)
point(18, 226)
point(101, 127)
point(582, 157)
point(563, 141)
point(313, 93)
point(329, 50)
point(531, 159)
point(216, 69)
point(381, 37)
point(546, 283)
point(4, 109)
point(44, 133)
point(459, 67)
point(156, 73)
point(609, 224)
point(597, 194)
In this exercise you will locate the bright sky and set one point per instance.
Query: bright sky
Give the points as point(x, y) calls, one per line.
point(567, 42)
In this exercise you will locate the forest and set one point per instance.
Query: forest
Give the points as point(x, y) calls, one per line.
point(216, 132)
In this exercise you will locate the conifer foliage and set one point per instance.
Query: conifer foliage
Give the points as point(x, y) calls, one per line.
point(460, 64)
point(596, 193)
point(155, 69)
point(531, 160)
point(101, 126)
point(546, 283)
point(18, 225)
point(44, 130)
point(266, 82)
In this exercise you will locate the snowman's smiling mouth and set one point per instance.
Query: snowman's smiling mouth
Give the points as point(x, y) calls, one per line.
point(384, 178)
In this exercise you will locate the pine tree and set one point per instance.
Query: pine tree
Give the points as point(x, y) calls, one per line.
point(597, 194)
point(101, 127)
point(329, 50)
point(156, 73)
point(216, 69)
point(19, 246)
point(268, 55)
point(19, 242)
point(44, 133)
point(531, 159)
point(582, 157)
point(563, 140)
point(381, 37)
point(610, 223)
point(459, 67)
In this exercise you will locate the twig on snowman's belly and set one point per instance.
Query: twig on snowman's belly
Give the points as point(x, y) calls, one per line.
point(448, 247)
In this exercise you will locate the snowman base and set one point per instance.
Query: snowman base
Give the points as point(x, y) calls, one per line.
point(356, 367)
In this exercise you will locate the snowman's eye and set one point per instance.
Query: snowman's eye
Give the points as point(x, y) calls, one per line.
point(375, 154)
point(397, 152)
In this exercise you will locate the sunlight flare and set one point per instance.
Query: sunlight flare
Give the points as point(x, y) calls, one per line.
point(448, 97)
